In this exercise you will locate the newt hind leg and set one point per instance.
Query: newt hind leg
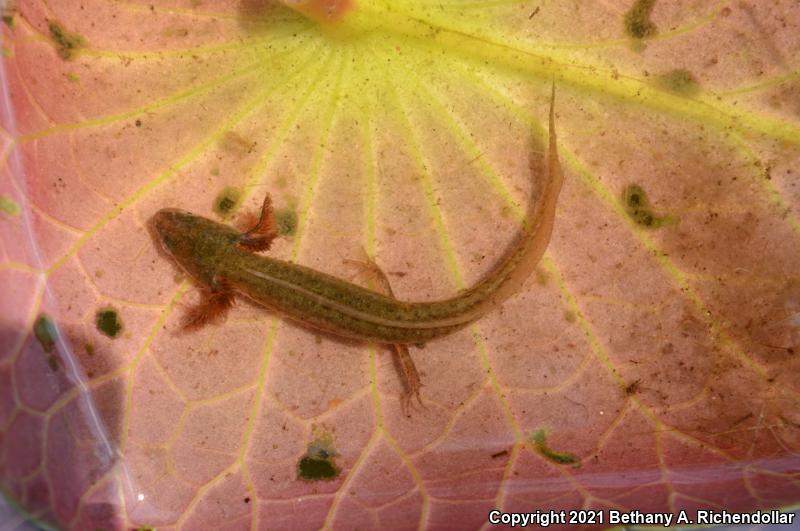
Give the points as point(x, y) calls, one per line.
point(408, 376)
point(214, 306)
point(406, 370)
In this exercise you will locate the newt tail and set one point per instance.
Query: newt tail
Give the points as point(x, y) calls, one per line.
point(223, 260)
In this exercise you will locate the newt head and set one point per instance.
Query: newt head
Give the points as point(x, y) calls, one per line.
point(187, 238)
point(170, 227)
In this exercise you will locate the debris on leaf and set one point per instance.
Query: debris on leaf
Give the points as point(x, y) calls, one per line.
point(679, 81)
point(286, 221)
point(638, 208)
point(9, 207)
point(236, 144)
point(67, 43)
point(637, 20)
point(318, 463)
point(108, 322)
point(8, 10)
point(633, 387)
point(227, 201)
point(45, 331)
point(310, 469)
point(539, 440)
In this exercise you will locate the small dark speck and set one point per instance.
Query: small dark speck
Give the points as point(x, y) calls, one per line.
point(633, 387)
point(138, 123)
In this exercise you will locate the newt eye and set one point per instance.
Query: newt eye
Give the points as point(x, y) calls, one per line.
point(168, 243)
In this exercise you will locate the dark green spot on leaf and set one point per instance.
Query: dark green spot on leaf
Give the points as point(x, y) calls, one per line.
point(67, 43)
point(318, 463)
point(108, 322)
point(9, 20)
point(227, 201)
point(286, 221)
point(310, 469)
point(637, 20)
point(539, 440)
point(45, 331)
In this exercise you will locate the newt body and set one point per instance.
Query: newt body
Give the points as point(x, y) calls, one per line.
point(218, 257)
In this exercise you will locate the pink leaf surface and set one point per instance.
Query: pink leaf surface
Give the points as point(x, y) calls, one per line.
point(650, 363)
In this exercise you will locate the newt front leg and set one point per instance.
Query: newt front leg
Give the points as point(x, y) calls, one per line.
point(218, 297)
point(215, 301)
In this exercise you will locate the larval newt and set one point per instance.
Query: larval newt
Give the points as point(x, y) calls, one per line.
point(224, 261)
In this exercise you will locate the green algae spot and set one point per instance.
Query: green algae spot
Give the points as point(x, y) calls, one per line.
point(286, 221)
point(9, 20)
point(9, 207)
point(539, 440)
point(52, 362)
point(45, 331)
point(68, 43)
point(316, 469)
point(227, 201)
point(638, 208)
point(108, 322)
point(637, 20)
point(318, 463)
point(72, 76)
point(89, 349)
point(679, 81)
